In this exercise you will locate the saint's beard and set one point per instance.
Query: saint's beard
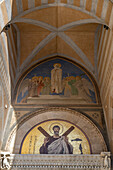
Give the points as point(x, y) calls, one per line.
point(56, 133)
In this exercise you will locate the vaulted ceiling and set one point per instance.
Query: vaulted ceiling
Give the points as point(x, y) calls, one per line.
point(39, 29)
point(80, 30)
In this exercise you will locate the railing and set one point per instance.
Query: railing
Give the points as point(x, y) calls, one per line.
point(32, 161)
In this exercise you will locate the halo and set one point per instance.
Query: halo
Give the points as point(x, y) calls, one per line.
point(40, 77)
point(57, 64)
point(35, 77)
point(46, 78)
point(56, 124)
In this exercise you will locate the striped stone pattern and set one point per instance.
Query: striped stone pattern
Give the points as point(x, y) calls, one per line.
point(4, 75)
point(105, 59)
point(1, 111)
point(105, 69)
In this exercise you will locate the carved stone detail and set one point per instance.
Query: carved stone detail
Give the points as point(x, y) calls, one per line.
point(106, 160)
point(19, 161)
point(5, 160)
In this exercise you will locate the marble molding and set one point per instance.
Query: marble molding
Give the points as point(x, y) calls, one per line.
point(34, 161)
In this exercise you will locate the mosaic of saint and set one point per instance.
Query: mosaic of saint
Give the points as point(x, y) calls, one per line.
point(55, 137)
point(57, 79)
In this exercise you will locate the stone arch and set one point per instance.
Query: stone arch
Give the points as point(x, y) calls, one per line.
point(18, 132)
point(21, 11)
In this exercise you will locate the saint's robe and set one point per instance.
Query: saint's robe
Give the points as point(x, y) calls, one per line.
point(56, 146)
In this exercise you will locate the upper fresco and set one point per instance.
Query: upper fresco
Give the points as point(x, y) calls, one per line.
point(56, 81)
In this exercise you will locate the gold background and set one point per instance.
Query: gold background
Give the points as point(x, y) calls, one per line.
point(35, 138)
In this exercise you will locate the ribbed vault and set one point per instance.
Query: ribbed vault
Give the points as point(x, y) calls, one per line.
point(47, 28)
point(81, 30)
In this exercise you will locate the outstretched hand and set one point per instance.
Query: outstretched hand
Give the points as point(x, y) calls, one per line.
point(46, 140)
point(65, 138)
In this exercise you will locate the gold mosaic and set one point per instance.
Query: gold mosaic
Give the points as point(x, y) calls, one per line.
point(34, 139)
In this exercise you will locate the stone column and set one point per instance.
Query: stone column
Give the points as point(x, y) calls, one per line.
point(106, 161)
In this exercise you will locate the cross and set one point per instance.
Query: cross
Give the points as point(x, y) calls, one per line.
point(48, 136)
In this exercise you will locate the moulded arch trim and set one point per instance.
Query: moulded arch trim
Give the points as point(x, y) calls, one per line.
point(30, 119)
point(59, 4)
point(99, 20)
point(52, 28)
